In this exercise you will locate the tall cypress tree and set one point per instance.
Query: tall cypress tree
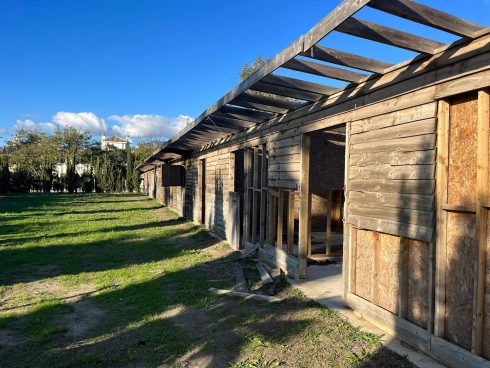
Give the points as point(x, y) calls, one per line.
point(129, 169)
point(4, 175)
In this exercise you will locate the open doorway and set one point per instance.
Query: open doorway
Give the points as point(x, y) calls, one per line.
point(326, 195)
point(322, 205)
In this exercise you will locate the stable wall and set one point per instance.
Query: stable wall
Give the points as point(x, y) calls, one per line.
point(392, 123)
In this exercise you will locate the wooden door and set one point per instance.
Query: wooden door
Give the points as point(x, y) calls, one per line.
point(462, 197)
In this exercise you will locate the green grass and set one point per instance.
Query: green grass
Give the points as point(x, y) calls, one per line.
point(118, 280)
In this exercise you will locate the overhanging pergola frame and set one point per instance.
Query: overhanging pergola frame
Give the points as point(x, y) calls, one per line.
point(261, 96)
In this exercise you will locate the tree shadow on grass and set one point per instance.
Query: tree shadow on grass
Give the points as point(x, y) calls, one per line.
point(172, 320)
point(15, 241)
point(128, 248)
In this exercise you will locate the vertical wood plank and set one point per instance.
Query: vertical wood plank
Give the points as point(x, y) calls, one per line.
point(441, 217)
point(403, 279)
point(231, 171)
point(328, 235)
point(309, 224)
point(270, 218)
point(304, 216)
point(376, 268)
point(353, 253)
point(347, 246)
point(481, 215)
point(280, 218)
point(263, 193)
point(291, 222)
point(246, 199)
point(255, 184)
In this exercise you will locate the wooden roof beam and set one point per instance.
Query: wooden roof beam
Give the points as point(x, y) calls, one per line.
point(324, 70)
point(428, 16)
point(239, 124)
point(266, 103)
point(389, 36)
point(328, 24)
point(299, 84)
point(286, 92)
point(244, 114)
point(346, 59)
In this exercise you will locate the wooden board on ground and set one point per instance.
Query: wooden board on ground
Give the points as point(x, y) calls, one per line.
point(264, 275)
point(265, 298)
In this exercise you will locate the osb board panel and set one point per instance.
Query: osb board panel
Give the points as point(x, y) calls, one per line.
point(364, 252)
point(486, 309)
point(418, 278)
point(389, 264)
point(461, 253)
point(463, 118)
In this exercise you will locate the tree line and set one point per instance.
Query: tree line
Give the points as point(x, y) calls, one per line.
point(68, 160)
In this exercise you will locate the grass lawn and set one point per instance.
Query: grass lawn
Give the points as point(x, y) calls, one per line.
point(120, 281)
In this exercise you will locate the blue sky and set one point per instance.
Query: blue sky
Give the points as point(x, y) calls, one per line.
point(147, 66)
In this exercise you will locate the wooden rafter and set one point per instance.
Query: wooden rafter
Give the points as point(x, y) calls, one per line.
point(324, 70)
point(389, 36)
point(244, 113)
point(428, 16)
point(302, 85)
point(328, 24)
point(243, 124)
point(346, 59)
point(266, 103)
point(286, 92)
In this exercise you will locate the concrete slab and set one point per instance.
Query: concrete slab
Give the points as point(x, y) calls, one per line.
point(324, 285)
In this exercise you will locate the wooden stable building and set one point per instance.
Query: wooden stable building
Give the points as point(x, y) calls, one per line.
point(390, 172)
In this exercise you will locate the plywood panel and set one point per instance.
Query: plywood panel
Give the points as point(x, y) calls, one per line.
point(364, 244)
point(388, 280)
point(463, 117)
point(418, 276)
point(486, 309)
point(461, 253)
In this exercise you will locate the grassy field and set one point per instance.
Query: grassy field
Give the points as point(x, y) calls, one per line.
point(120, 281)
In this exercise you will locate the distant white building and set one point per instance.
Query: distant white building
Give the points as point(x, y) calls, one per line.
point(113, 141)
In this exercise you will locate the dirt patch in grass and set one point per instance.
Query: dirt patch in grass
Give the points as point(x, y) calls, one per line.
point(84, 317)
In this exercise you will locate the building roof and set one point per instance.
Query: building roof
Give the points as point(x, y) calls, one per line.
point(115, 139)
point(242, 108)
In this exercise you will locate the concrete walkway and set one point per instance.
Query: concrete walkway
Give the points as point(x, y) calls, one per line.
point(324, 285)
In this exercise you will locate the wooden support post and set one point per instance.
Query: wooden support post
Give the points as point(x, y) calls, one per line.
point(403, 279)
point(255, 185)
point(280, 218)
point(270, 218)
point(482, 217)
point(441, 217)
point(328, 235)
point(304, 215)
point(309, 224)
point(263, 194)
point(348, 265)
point(291, 222)
point(246, 195)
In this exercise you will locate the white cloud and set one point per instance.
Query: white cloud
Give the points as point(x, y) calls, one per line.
point(138, 125)
point(141, 125)
point(83, 121)
point(29, 124)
